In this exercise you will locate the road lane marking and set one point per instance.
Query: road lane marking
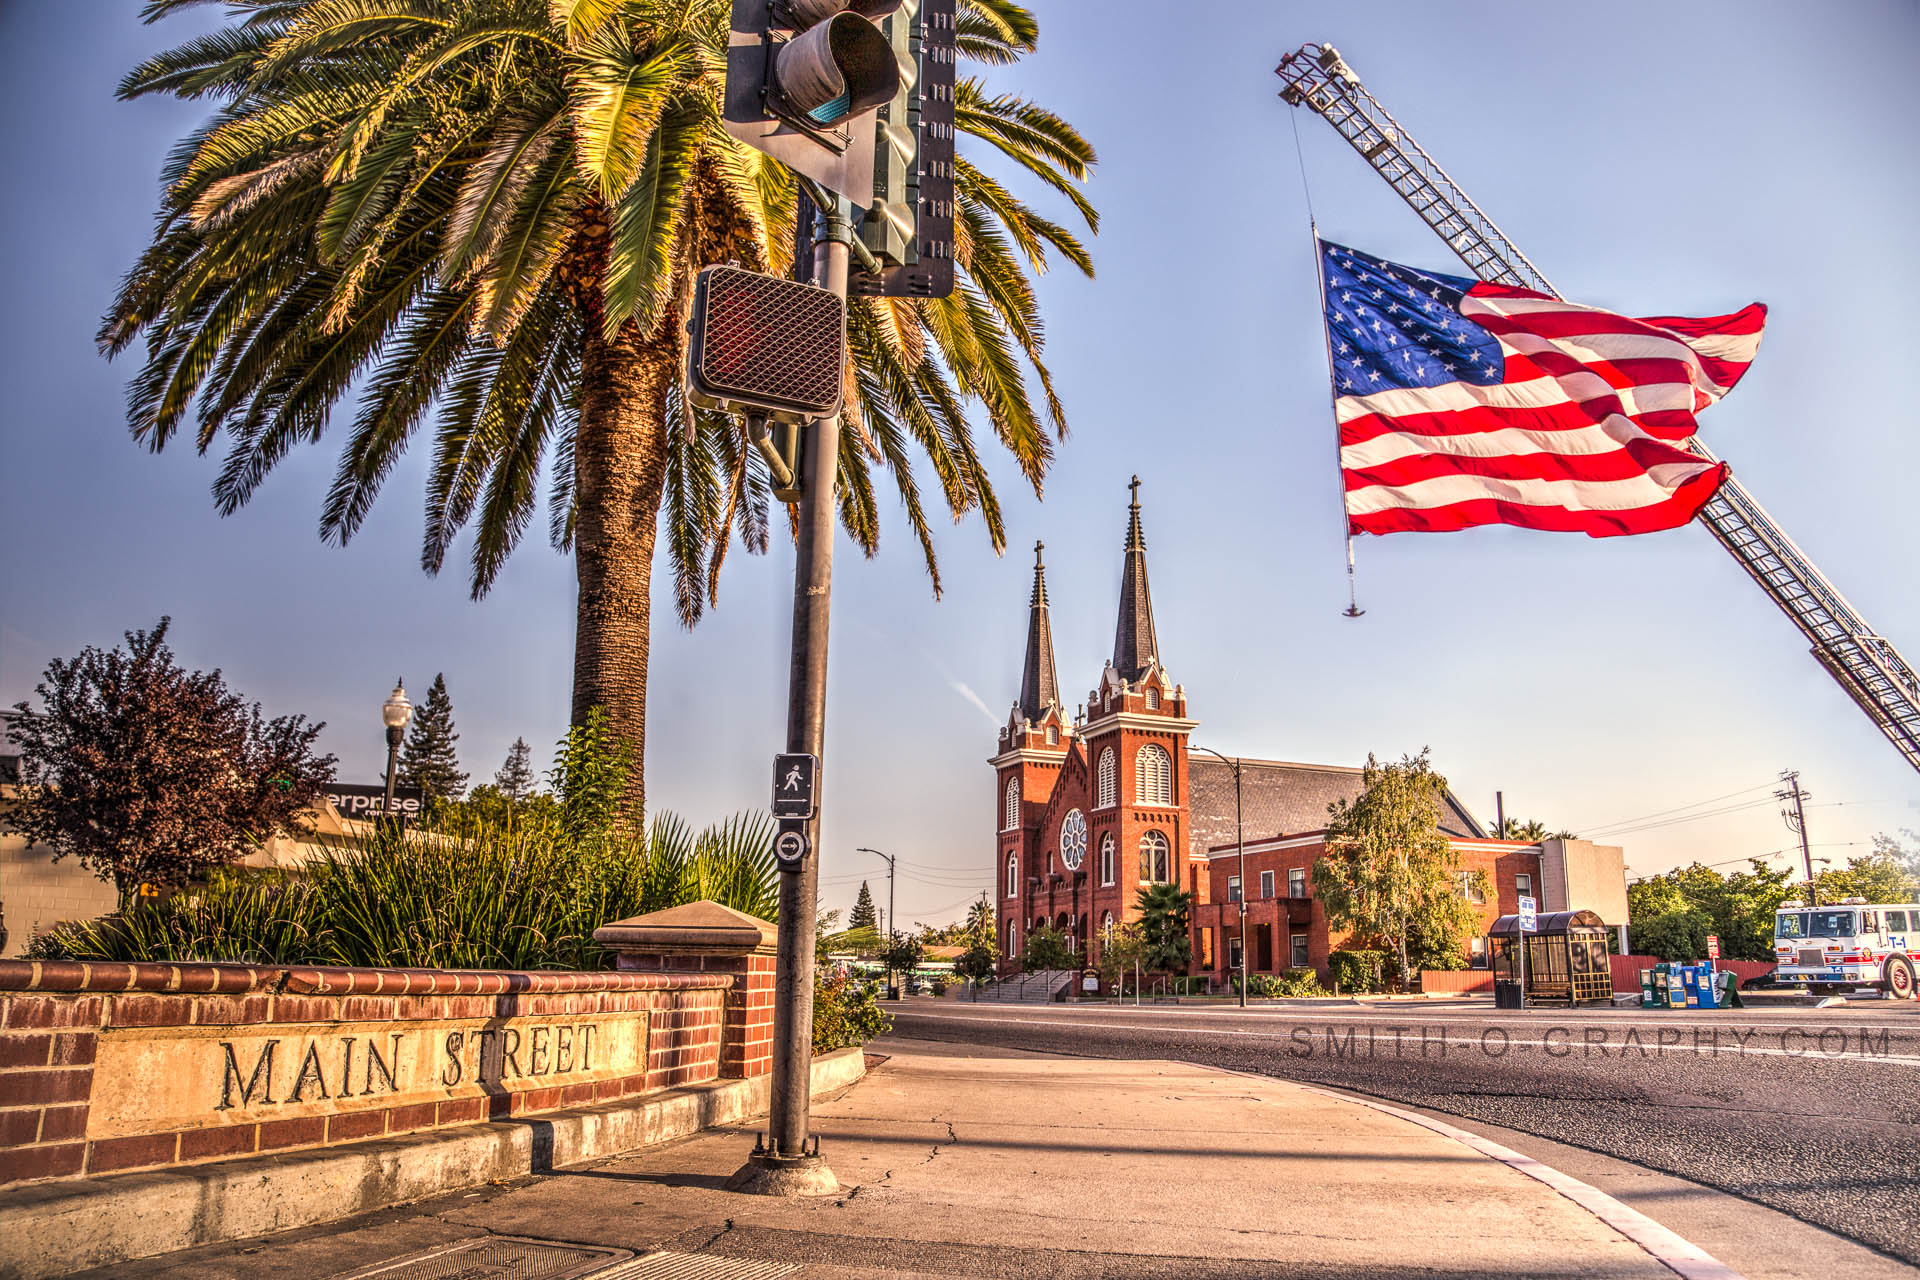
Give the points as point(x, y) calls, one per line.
point(1606, 1050)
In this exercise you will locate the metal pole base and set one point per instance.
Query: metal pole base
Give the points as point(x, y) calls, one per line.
point(768, 1174)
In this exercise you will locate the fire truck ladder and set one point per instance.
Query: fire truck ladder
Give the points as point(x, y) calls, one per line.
point(1866, 665)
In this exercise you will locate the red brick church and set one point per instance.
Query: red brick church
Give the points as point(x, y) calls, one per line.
point(1091, 806)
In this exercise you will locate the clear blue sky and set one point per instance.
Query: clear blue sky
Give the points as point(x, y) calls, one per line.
point(1663, 159)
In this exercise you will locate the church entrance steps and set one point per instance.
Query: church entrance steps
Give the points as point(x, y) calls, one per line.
point(1032, 988)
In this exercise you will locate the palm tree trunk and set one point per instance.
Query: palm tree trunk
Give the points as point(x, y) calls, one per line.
point(620, 455)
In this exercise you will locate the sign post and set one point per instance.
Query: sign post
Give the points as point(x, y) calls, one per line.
point(1713, 950)
point(1527, 923)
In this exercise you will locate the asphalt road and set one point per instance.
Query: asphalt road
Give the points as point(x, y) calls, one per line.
point(1814, 1112)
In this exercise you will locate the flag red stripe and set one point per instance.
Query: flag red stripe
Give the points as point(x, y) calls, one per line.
point(1621, 464)
point(1669, 513)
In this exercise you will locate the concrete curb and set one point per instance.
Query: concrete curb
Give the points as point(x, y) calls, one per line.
point(1667, 1247)
point(52, 1229)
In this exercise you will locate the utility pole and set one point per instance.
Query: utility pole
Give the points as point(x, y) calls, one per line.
point(892, 991)
point(1797, 822)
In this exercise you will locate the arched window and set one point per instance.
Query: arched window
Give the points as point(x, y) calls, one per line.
point(1153, 698)
point(1106, 858)
point(1053, 735)
point(1106, 929)
point(1013, 875)
point(1012, 822)
point(1013, 939)
point(1152, 775)
point(1155, 864)
point(1109, 794)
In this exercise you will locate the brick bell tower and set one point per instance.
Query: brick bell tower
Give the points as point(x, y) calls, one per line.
point(1034, 745)
point(1135, 739)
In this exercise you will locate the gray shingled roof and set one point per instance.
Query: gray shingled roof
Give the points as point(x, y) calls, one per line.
point(1282, 799)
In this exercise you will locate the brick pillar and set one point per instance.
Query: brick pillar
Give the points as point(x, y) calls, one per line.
point(706, 937)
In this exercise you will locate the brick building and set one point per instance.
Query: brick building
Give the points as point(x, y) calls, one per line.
point(1090, 807)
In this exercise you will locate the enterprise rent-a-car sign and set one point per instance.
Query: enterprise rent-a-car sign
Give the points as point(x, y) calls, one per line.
point(352, 800)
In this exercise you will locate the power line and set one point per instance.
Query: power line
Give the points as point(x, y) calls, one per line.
point(1602, 826)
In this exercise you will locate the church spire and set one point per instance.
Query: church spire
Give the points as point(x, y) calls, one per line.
point(1039, 686)
point(1135, 646)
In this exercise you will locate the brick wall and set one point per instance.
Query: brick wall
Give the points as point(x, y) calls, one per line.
point(56, 1018)
point(37, 893)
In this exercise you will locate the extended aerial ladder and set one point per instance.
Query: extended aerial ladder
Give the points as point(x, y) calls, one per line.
point(1866, 665)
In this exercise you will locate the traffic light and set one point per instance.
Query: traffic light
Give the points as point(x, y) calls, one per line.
point(803, 77)
point(908, 223)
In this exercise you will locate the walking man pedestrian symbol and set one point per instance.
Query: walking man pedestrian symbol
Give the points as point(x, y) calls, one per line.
point(794, 779)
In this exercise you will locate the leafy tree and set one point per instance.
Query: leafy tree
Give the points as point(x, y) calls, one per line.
point(978, 962)
point(515, 779)
point(1048, 948)
point(429, 761)
point(865, 915)
point(1166, 936)
point(1120, 951)
point(903, 953)
point(589, 775)
point(1887, 874)
point(1440, 925)
point(492, 211)
point(1671, 915)
point(148, 773)
point(1386, 862)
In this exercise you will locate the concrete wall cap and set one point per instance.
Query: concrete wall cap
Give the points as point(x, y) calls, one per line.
point(702, 926)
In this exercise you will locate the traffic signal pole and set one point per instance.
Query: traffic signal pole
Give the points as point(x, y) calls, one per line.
point(788, 1162)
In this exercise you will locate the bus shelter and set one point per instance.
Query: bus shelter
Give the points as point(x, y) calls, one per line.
point(1566, 957)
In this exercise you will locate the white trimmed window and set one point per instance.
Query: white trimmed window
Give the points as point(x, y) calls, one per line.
point(1013, 940)
point(1153, 699)
point(1266, 884)
point(1073, 840)
point(1233, 888)
point(1012, 820)
point(1152, 775)
point(1109, 794)
point(1155, 860)
point(1013, 875)
point(1053, 735)
point(1106, 858)
point(1106, 928)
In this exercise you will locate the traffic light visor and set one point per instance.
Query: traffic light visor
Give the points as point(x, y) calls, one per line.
point(839, 68)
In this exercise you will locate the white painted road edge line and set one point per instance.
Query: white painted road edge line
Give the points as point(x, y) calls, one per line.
point(1675, 1252)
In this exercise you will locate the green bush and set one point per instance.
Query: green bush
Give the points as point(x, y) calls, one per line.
point(846, 1010)
point(1293, 984)
point(1355, 972)
point(459, 892)
point(938, 986)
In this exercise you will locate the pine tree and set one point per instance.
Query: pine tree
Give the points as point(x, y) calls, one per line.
point(515, 778)
point(864, 914)
point(428, 761)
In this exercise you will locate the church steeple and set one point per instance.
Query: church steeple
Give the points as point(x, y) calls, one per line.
point(1039, 685)
point(1135, 646)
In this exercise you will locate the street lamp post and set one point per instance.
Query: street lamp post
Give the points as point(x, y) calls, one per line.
point(1240, 847)
point(395, 711)
point(893, 992)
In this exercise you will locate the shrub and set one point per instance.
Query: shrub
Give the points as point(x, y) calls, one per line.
point(459, 892)
point(938, 987)
point(1358, 971)
point(846, 1010)
point(1293, 984)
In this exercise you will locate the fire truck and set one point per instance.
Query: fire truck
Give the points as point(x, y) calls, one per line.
point(1851, 943)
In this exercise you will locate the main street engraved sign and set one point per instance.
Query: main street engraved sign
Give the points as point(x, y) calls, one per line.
point(155, 1080)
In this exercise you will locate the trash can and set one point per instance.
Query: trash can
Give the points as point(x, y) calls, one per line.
point(1506, 994)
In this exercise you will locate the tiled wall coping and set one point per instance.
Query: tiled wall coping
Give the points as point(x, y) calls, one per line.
point(223, 979)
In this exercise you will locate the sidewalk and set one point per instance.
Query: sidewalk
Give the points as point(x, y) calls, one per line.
point(957, 1161)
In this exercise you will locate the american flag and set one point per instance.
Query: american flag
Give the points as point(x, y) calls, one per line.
point(1462, 403)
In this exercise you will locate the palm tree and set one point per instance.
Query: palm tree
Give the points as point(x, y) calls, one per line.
point(492, 211)
point(1514, 829)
